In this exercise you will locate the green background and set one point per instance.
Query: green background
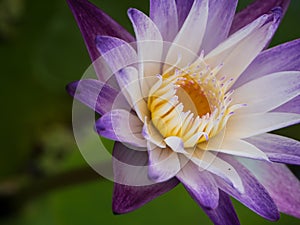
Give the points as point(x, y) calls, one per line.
point(41, 50)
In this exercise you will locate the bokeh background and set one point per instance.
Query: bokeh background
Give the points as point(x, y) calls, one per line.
point(43, 177)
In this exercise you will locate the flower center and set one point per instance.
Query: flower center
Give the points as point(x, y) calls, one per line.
point(190, 103)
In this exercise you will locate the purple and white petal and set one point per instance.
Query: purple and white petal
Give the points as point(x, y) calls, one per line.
point(121, 125)
point(200, 184)
point(235, 147)
point(241, 48)
point(192, 30)
point(128, 197)
point(163, 163)
point(244, 126)
point(292, 106)
point(278, 148)
point(117, 53)
point(224, 214)
point(268, 92)
point(255, 195)
point(255, 10)
point(98, 96)
point(220, 16)
point(149, 46)
point(164, 15)
point(209, 161)
point(283, 57)
point(280, 182)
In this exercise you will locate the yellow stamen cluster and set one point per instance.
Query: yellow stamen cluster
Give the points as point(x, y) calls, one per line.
point(190, 103)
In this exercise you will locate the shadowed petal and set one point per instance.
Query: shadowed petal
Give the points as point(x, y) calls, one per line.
point(278, 148)
point(127, 198)
point(255, 10)
point(255, 196)
point(93, 22)
point(121, 125)
point(98, 96)
point(164, 15)
point(224, 214)
point(283, 57)
point(267, 93)
point(163, 163)
point(200, 184)
point(220, 16)
point(280, 182)
point(238, 51)
point(183, 10)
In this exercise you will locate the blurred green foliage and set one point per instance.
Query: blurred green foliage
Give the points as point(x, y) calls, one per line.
point(41, 50)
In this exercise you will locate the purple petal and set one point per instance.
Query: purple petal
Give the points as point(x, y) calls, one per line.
point(200, 184)
point(278, 148)
point(163, 163)
point(164, 15)
point(281, 184)
point(255, 196)
point(121, 125)
point(98, 96)
point(92, 22)
point(224, 214)
point(292, 106)
point(220, 16)
point(283, 57)
point(183, 10)
point(255, 10)
point(117, 53)
point(127, 198)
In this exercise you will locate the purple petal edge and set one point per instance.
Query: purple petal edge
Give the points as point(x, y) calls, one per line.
point(224, 214)
point(254, 10)
point(92, 22)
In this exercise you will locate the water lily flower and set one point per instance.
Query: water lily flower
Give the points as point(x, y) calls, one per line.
point(201, 93)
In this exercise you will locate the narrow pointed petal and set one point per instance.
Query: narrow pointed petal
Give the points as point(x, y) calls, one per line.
point(224, 214)
point(209, 161)
point(93, 22)
point(278, 148)
point(235, 147)
point(121, 125)
point(163, 163)
point(220, 16)
point(192, 30)
point(183, 10)
point(200, 184)
point(255, 196)
point(255, 124)
point(151, 134)
point(292, 106)
point(127, 198)
point(241, 48)
point(117, 53)
point(164, 15)
point(149, 43)
point(268, 92)
point(176, 144)
point(280, 182)
point(283, 57)
point(254, 10)
point(98, 96)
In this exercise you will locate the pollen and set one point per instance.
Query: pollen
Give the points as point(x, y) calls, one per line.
point(190, 103)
